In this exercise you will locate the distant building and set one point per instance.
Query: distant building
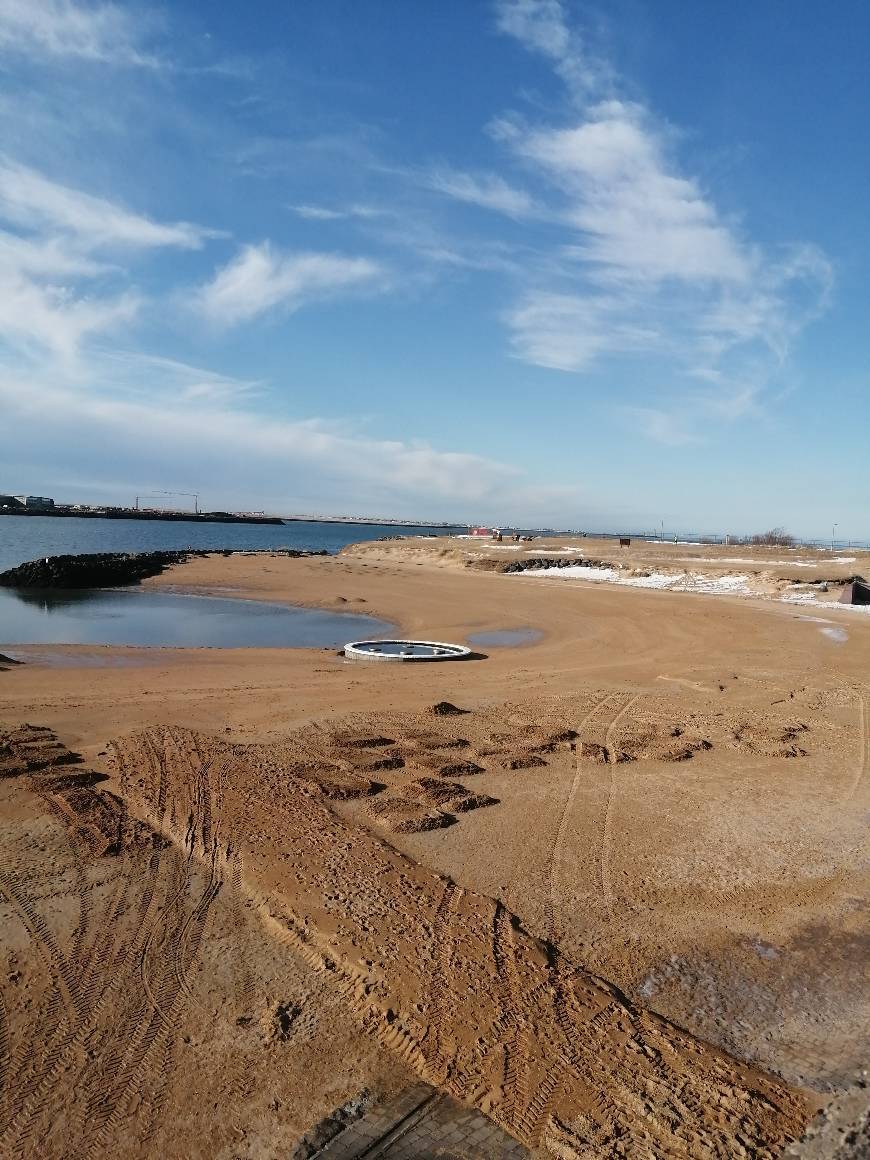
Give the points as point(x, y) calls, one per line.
point(33, 501)
point(9, 501)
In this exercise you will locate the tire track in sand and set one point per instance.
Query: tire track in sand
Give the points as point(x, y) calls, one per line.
point(516, 1062)
point(167, 998)
point(607, 822)
point(443, 940)
point(82, 892)
point(4, 1056)
point(864, 755)
point(54, 961)
point(61, 1037)
point(557, 847)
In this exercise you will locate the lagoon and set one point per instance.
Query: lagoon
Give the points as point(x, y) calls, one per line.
point(142, 617)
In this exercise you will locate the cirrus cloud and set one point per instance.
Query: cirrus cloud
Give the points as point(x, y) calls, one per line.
point(646, 263)
point(106, 33)
point(30, 200)
point(260, 278)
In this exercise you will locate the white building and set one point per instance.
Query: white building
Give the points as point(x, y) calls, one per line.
point(34, 501)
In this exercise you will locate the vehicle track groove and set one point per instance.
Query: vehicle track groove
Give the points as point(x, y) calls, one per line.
point(558, 846)
point(863, 768)
point(607, 821)
point(442, 956)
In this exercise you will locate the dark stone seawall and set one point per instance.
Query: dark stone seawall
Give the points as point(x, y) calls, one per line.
point(96, 570)
point(108, 569)
point(534, 562)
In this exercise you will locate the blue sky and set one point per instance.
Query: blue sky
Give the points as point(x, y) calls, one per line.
point(525, 260)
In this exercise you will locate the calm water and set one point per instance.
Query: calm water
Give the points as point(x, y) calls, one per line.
point(129, 616)
point(505, 637)
point(29, 537)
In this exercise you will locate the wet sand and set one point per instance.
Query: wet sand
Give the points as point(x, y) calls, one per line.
point(659, 806)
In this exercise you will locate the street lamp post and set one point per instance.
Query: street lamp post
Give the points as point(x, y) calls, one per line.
point(833, 531)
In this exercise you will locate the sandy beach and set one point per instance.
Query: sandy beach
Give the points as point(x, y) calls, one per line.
point(617, 904)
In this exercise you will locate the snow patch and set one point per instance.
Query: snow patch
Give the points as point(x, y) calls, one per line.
point(663, 581)
point(838, 634)
point(808, 598)
point(730, 584)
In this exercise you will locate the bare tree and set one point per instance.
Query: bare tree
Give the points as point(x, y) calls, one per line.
point(777, 537)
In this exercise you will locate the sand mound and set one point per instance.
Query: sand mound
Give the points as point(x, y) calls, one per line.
point(424, 740)
point(460, 769)
point(361, 741)
point(405, 815)
point(760, 737)
point(449, 794)
point(29, 748)
point(521, 761)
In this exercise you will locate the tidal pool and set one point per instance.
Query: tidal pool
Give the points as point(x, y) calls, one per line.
point(131, 616)
point(505, 637)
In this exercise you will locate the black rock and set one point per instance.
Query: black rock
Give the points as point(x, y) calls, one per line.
point(96, 570)
point(446, 709)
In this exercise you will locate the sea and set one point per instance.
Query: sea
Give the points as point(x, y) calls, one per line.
point(31, 537)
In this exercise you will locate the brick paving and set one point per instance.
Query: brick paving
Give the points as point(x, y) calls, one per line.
point(423, 1124)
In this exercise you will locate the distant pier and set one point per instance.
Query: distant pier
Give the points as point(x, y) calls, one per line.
point(130, 513)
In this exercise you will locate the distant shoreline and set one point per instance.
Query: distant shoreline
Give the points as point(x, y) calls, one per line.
point(215, 517)
point(138, 514)
point(352, 521)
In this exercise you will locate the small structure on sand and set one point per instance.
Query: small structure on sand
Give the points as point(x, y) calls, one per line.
point(405, 650)
point(856, 592)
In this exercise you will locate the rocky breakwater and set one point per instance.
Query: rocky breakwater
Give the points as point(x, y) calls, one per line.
point(115, 569)
point(97, 570)
point(531, 563)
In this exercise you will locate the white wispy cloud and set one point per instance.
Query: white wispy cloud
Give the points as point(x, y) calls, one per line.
point(158, 380)
point(488, 190)
point(63, 28)
point(541, 27)
point(29, 199)
point(325, 213)
point(662, 426)
point(646, 262)
point(34, 316)
point(318, 213)
point(637, 216)
point(49, 257)
point(57, 239)
point(569, 332)
point(260, 278)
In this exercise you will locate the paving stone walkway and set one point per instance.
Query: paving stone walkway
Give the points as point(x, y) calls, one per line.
point(423, 1124)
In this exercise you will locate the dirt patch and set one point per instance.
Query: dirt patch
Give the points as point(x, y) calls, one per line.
point(492, 1015)
point(144, 1005)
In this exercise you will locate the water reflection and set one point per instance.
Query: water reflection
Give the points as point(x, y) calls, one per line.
point(52, 599)
point(506, 637)
point(158, 619)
